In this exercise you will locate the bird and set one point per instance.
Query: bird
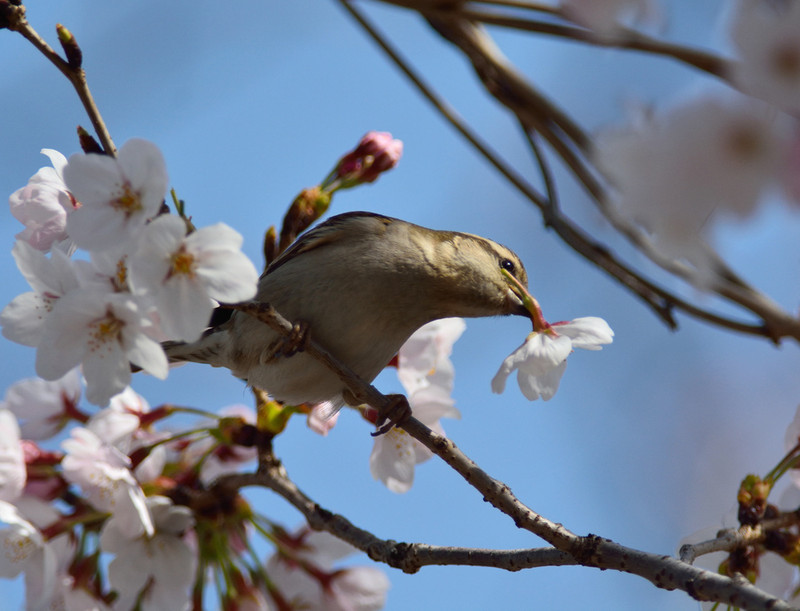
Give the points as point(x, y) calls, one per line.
point(361, 283)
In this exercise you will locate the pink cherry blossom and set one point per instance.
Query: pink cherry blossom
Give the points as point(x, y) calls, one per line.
point(45, 407)
point(359, 588)
point(43, 205)
point(605, 17)
point(767, 40)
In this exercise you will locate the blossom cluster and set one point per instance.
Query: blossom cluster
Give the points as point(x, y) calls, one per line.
point(121, 489)
point(150, 275)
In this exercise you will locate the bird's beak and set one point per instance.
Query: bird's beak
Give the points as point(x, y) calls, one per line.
point(522, 303)
point(515, 304)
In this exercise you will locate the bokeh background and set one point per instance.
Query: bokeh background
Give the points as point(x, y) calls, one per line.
point(644, 443)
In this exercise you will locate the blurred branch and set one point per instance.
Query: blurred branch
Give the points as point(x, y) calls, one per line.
point(591, 551)
point(623, 38)
point(568, 140)
point(76, 75)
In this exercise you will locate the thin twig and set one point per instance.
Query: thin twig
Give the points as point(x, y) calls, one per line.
point(730, 539)
point(76, 76)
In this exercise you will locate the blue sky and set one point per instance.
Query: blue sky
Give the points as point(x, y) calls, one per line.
point(644, 443)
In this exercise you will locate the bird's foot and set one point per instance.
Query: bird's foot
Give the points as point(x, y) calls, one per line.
point(289, 345)
point(396, 411)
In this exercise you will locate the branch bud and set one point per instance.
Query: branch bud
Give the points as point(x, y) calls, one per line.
point(88, 143)
point(70, 46)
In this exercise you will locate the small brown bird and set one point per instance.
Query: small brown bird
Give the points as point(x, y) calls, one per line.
point(363, 283)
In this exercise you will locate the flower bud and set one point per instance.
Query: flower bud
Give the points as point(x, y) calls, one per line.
point(376, 153)
point(70, 45)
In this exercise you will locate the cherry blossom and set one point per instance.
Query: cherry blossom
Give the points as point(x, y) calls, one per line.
point(22, 548)
point(23, 319)
point(767, 40)
point(604, 17)
point(161, 563)
point(675, 172)
point(225, 458)
point(426, 373)
point(117, 196)
point(12, 459)
point(541, 360)
point(104, 332)
point(184, 273)
point(395, 453)
point(43, 406)
point(103, 473)
point(42, 206)
point(428, 350)
point(357, 588)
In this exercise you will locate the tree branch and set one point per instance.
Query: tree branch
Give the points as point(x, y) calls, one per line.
point(592, 551)
point(76, 76)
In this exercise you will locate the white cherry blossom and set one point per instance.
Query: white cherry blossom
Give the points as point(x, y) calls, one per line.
point(162, 561)
point(103, 473)
point(22, 548)
point(12, 459)
point(184, 273)
point(676, 172)
point(395, 453)
point(117, 196)
point(51, 278)
point(428, 350)
point(104, 332)
point(426, 373)
point(541, 360)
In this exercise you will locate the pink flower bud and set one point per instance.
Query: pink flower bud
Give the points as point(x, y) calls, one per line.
point(376, 153)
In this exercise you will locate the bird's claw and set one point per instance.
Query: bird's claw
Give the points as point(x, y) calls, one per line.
point(289, 345)
point(395, 412)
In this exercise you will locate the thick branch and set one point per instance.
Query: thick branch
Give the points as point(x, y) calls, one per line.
point(408, 557)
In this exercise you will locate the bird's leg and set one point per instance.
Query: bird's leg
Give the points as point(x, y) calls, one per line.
point(288, 345)
point(395, 411)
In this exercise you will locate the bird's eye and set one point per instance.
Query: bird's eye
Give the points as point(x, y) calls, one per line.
point(508, 265)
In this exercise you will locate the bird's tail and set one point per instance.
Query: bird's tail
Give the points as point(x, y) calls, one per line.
point(208, 349)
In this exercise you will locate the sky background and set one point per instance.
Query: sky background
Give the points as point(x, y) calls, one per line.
point(250, 102)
